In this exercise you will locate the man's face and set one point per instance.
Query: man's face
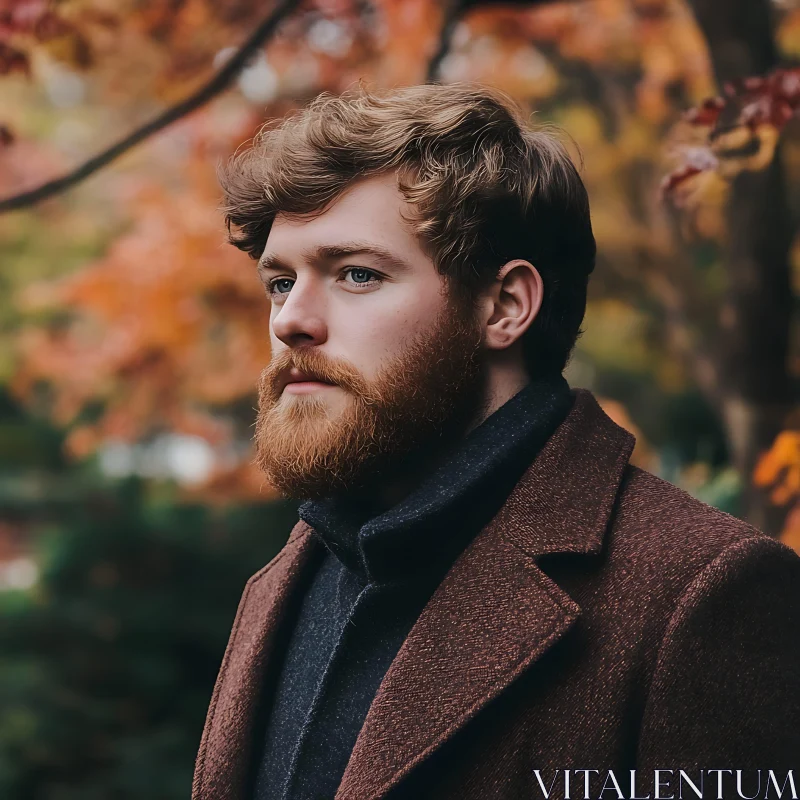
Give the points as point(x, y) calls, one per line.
point(372, 359)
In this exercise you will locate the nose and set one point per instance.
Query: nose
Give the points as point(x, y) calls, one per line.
point(300, 319)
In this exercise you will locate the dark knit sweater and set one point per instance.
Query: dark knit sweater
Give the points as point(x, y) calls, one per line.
point(372, 582)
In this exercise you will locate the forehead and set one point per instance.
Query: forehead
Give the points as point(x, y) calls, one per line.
point(369, 211)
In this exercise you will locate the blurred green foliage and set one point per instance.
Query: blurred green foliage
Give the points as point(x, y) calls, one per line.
point(109, 661)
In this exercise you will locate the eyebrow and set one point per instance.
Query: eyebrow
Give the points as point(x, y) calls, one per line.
point(272, 261)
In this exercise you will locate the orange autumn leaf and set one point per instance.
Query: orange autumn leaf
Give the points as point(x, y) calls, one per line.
point(780, 466)
point(169, 325)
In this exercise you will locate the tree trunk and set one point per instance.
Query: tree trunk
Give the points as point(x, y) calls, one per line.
point(755, 317)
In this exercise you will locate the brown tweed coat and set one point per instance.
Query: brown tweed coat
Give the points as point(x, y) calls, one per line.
point(604, 620)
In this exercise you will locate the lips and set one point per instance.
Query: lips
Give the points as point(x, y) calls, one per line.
point(298, 376)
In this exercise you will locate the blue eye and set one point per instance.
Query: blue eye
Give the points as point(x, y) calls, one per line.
point(280, 286)
point(361, 276)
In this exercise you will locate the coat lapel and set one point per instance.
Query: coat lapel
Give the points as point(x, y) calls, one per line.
point(496, 612)
point(224, 757)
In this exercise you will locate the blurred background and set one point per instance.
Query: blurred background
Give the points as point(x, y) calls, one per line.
point(132, 335)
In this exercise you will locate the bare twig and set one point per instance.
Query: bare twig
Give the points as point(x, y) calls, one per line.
point(215, 86)
point(454, 10)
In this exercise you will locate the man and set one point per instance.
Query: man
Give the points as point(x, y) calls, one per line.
point(483, 598)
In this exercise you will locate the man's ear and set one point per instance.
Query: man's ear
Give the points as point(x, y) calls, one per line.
point(512, 303)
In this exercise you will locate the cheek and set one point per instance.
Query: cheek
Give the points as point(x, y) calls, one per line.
point(368, 340)
point(379, 332)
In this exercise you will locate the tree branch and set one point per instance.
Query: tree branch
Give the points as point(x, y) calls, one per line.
point(454, 10)
point(215, 86)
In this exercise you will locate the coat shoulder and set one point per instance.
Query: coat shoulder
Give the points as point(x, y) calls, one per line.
point(719, 617)
point(661, 530)
point(658, 504)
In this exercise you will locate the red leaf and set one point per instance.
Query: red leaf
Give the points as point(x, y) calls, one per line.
point(706, 113)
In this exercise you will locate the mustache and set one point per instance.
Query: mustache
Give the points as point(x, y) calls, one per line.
point(317, 366)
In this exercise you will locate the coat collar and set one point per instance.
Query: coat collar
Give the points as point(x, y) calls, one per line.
point(457, 656)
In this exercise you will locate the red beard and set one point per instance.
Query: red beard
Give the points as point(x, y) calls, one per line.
point(421, 401)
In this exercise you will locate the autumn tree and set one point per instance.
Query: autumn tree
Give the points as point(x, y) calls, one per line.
point(709, 258)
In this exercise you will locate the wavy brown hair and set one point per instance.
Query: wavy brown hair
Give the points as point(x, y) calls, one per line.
point(485, 187)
